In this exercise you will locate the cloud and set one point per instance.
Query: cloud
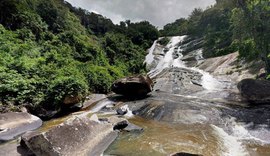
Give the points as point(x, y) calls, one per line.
point(158, 12)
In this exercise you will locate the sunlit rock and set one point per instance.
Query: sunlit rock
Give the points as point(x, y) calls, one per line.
point(15, 123)
point(79, 135)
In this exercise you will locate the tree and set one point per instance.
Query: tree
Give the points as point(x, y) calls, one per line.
point(179, 27)
point(256, 17)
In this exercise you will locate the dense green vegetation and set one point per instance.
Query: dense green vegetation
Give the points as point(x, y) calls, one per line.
point(229, 26)
point(251, 23)
point(50, 50)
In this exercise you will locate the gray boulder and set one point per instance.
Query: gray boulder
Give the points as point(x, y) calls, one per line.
point(80, 135)
point(133, 86)
point(15, 123)
point(255, 91)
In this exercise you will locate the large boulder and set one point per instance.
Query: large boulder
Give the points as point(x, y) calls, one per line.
point(15, 123)
point(255, 91)
point(133, 86)
point(80, 135)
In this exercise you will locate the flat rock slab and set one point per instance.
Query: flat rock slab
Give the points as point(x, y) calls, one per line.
point(15, 123)
point(79, 135)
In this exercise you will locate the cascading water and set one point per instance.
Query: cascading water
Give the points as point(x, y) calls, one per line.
point(168, 60)
point(188, 112)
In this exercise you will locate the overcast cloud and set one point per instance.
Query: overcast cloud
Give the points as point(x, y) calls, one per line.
point(158, 12)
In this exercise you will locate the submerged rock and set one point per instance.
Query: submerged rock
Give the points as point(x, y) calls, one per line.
point(133, 86)
point(133, 128)
point(120, 125)
point(16, 123)
point(124, 125)
point(255, 91)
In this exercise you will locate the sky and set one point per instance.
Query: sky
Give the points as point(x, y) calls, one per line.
point(157, 12)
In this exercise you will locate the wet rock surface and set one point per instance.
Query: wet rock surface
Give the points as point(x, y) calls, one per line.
point(178, 81)
point(133, 86)
point(16, 123)
point(92, 99)
point(133, 128)
point(255, 91)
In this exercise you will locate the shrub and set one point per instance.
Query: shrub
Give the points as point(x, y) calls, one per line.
point(63, 86)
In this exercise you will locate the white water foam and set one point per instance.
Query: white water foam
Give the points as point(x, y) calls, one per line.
point(208, 81)
point(260, 135)
point(150, 56)
point(167, 61)
point(229, 145)
point(129, 113)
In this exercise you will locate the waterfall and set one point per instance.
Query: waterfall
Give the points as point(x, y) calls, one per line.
point(169, 61)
